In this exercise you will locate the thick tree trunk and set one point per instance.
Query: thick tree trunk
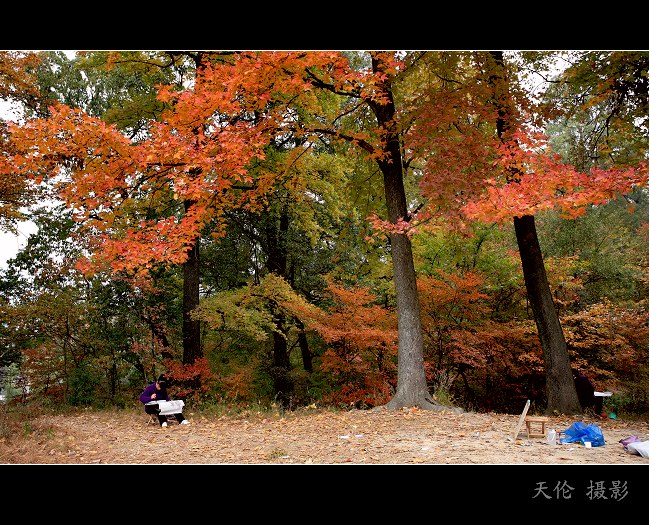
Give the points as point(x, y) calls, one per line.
point(192, 349)
point(560, 387)
point(412, 389)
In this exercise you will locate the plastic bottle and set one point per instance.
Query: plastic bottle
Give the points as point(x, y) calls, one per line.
point(552, 437)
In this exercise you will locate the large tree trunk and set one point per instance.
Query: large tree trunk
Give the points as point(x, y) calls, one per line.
point(560, 388)
point(192, 349)
point(412, 389)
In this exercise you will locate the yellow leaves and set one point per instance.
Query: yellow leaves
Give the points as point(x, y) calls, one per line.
point(15, 81)
point(249, 310)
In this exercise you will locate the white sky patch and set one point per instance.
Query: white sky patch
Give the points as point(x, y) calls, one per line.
point(11, 244)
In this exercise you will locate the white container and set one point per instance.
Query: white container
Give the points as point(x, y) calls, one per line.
point(552, 437)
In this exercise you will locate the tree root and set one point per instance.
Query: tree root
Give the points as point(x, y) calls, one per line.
point(425, 403)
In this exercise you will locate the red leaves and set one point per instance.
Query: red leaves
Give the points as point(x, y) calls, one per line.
point(543, 182)
point(362, 342)
point(379, 226)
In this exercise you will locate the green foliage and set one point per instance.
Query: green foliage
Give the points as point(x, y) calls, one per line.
point(487, 249)
point(606, 241)
point(443, 396)
point(10, 387)
point(116, 87)
point(633, 403)
point(82, 384)
point(603, 95)
point(27, 429)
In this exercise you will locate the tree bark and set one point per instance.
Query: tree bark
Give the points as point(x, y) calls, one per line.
point(307, 357)
point(192, 348)
point(280, 371)
point(560, 387)
point(412, 388)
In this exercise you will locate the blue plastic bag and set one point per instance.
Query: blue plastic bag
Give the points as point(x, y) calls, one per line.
point(580, 432)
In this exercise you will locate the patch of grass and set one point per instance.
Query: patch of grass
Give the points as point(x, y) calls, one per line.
point(276, 453)
point(27, 429)
point(444, 397)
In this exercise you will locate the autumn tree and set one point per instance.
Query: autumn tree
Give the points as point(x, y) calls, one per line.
point(300, 236)
point(506, 173)
point(97, 336)
point(603, 97)
point(17, 86)
point(381, 140)
point(412, 389)
point(362, 340)
point(121, 92)
point(560, 388)
point(534, 179)
point(252, 312)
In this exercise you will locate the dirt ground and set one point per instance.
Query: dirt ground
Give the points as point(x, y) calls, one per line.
point(310, 436)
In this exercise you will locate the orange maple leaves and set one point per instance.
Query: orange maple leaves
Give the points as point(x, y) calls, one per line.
point(145, 202)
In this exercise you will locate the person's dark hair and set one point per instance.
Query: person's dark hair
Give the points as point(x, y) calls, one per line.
point(162, 381)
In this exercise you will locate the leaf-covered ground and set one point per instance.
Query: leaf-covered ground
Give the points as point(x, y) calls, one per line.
point(310, 436)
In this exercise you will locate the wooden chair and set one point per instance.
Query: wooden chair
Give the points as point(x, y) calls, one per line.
point(529, 421)
point(542, 420)
point(153, 419)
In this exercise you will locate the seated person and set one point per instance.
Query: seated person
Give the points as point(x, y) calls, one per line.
point(158, 392)
point(586, 393)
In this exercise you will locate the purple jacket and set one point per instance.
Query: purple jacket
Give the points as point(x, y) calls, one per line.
point(145, 396)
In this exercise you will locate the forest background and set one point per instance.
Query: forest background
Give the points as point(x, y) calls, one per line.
point(228, 219)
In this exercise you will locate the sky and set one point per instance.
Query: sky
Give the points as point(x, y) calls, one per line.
point(10, 244)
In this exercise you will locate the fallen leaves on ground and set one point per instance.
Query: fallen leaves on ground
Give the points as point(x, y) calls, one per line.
point(309, 436)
